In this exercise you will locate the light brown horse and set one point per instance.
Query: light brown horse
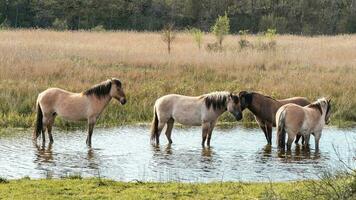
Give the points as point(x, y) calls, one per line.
point(265, 108)
point(87, 105)
point(294, 119)
point(201, 110)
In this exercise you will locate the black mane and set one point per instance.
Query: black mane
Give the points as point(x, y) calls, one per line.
point(316, 105)
point(99, 90)
point(217, 100)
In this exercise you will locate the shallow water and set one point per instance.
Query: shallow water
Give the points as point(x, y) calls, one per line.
point(124, 153)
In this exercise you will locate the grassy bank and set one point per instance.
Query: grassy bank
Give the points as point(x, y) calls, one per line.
point(77, 188)
point(33, 60)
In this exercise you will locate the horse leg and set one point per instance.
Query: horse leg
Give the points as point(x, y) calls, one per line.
point(306, 140)
point(210, 132)
point(49, 129)
point(317, 138)
point(205, 131)
point(90, 133)
point(170, 124)
point(269, 133)
point(45, 122)
point(91, 123)
point(159, 130)
point(291, 137)
point(297, 138)
point(263, 126)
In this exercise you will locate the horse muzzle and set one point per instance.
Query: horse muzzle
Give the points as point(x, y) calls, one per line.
point(238, 117)
point(123, 101)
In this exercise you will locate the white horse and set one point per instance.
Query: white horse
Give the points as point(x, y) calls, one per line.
point(202, 111)
point(293, 119)
point(87, 105)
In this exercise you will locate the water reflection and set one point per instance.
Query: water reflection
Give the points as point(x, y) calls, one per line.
point(43, 154)
point(125, 154)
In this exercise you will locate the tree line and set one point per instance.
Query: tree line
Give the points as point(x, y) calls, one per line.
point(286, 16)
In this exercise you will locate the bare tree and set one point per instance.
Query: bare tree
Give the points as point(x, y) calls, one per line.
point(168, 35)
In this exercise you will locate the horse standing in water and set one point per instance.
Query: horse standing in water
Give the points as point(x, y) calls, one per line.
point(87, 105)
point(202, 111)
point(294, 119)
point(265, 108)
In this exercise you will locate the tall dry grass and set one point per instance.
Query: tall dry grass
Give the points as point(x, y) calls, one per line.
point(33, 60)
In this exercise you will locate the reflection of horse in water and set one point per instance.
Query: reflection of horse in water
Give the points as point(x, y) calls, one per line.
point(44, 154)
point(300, 153)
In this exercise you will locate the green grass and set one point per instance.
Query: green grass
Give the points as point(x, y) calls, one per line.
point(97, 188)
point(106, 189)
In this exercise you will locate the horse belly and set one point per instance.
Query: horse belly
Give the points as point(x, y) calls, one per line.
point(72, 110)
point(188, 118)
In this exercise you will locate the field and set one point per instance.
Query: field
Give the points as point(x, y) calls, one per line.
point(95, 188)
point(33, 60)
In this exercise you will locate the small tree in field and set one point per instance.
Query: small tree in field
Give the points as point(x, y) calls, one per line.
point(221, 28)
point(198, 36)
point(168, 36)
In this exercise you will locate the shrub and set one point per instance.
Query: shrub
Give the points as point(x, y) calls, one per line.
point(267, 41)
point(3, 180)
point(198, 36)
point(5, 24)
point(168, 36)
point(243, 42)
point(221, 28)
point(271, 21)
point(214, 47)
point(99, 28)
point(59, 24)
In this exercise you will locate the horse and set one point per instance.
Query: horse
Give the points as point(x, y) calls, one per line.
point(87, 105)
point(201, 110)
point(294, 119)
point(265, 108)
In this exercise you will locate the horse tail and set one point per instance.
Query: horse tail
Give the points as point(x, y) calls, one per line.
point(281, 132)
point(154, 126)
point(39, 122)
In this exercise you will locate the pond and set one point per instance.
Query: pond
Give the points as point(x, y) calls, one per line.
point(125, 154)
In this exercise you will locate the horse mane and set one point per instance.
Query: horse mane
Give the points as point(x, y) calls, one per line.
point(316, 105)
point(100, 90)
point(217, 100)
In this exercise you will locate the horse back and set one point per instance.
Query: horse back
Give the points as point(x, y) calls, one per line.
point(294, 116)
point(302, 101)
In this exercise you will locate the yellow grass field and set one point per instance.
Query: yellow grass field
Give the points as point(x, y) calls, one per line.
point(33, 60)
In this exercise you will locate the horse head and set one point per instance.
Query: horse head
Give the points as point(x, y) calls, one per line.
point(117, 91)
point(234, 107)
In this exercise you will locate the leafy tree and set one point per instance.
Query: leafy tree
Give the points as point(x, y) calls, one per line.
point(221, 28)
point(197, 36)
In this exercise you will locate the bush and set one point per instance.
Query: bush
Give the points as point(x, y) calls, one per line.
point(221, 28)
point(271, 21)
point(60, 25)
point(214, 47)
point(168, 35)
point(99, 28)
point(3, 180)
point(197, 35)
point(5, 24)
point(243, 42)
point(267, 41)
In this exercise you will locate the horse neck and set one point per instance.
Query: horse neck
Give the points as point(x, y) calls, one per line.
point(100, 102)
point(316, 116)
point(263, 107)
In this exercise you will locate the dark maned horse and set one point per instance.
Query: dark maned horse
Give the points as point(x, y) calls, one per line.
point(265, 108)
point(86, 105)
